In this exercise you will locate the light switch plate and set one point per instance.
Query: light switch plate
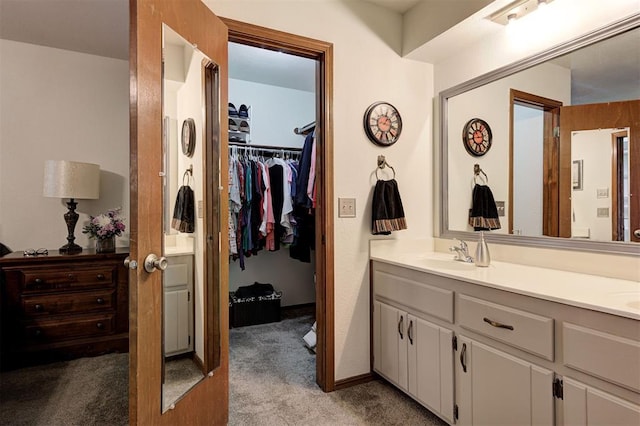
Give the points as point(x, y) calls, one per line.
point(200, 209)
point(602, 193)
point(602, 212)
point(346, 207)
point(500, 207)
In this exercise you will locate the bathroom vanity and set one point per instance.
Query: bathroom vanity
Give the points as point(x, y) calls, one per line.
point(507, 344)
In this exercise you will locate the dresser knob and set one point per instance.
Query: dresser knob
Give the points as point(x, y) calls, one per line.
point(71, 276)
point(100, 301)
point(38, 307)
point(100, 276)
point(38, 281)
point(100, 325)
point(37, 332)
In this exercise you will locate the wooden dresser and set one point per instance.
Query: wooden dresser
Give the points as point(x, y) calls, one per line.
point(63, 306)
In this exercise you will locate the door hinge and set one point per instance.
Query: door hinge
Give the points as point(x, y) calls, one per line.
point(188, 296)
point(455, 412)
point(189, 341)
point(558, 389)
point(454, 343)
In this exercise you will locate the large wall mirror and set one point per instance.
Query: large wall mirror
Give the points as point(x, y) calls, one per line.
point(191, 130)
point(565, 149)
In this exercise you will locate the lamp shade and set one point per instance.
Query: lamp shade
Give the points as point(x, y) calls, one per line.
point(70, 179)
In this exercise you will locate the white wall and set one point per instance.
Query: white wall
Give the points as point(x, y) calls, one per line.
point(59, 105)
point(275, 111)
point(366, 69)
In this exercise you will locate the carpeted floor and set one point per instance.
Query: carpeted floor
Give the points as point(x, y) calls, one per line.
point(271, 382)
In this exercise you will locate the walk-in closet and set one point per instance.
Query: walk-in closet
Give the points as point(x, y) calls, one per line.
point(272, 201)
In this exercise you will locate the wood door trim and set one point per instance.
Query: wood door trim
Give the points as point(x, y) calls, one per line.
point(257, 36)
point(615, 173)
point(550, 157)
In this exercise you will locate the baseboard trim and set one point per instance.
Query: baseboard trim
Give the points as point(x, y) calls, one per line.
point(353, 381)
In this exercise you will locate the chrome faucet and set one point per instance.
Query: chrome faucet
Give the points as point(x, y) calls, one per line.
point(462, 252)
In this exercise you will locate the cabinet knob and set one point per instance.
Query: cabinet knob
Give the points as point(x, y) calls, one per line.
point(100, 325)
point(100, 301)
point(100, 276)
point(38, 307)
point(38, 281)
point(71, 276)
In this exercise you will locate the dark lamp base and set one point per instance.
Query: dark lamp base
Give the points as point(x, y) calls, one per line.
point(70, 248)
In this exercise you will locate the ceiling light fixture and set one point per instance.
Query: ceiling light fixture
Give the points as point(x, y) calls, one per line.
point(516, 10)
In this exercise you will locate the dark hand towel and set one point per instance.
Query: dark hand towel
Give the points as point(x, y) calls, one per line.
point(184, 219)
point(483, 215)
point(387, 212)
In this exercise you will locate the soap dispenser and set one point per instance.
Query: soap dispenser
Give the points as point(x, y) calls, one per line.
point(482, 252)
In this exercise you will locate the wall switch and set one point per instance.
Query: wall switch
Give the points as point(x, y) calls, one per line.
point(346, 207)
point(602, 212)
point(602, 193)
point(500, 207)
point(200, 209)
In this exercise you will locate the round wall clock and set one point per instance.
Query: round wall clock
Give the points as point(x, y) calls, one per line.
point(382, 123)
point(476, 137)
point(188, 137)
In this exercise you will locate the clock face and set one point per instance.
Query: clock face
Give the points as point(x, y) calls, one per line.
point(188, 137)
point(382, 123)
point(476, 137)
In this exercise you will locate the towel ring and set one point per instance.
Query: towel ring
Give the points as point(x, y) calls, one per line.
point(187, 174)
point(476, 172)
point(382, 163)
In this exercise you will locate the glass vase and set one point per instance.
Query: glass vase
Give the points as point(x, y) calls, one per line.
point(106, 245)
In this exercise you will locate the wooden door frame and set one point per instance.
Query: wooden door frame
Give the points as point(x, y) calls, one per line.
point(617, 230)
point(208, 401)
point(322, 52)
point(551, 153)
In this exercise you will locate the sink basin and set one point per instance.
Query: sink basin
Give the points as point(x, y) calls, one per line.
point(453, 265)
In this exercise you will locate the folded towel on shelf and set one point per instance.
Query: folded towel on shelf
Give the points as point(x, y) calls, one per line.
point(483, 215)
point(387, 213)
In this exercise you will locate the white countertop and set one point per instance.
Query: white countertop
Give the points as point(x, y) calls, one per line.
point(610, 295)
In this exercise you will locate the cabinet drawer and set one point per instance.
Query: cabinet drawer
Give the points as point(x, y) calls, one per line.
point(51, 304)
point(416, 295)
point(607, 356)
point(523, 330)
point(66, 278)
point(49, 331)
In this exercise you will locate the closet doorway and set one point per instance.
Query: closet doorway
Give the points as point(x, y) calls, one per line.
point(247, 35)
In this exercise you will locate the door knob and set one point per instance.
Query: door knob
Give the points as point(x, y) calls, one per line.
point(130, 264)
point(153, 262)
point(636, 233)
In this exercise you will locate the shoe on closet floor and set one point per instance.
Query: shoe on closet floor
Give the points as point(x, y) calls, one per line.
point(233, 112)
point(244, 111)
point(233, 126)
point(244, 126)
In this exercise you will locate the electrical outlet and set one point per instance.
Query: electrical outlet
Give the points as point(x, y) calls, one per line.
point(602, 212)
point(602, 193)
point(200, 209)
point(346, 207)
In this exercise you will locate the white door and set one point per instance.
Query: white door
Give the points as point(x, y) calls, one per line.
point(586, 406)
point(391, 347)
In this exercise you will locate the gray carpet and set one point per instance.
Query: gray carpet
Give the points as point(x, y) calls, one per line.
point(272, 382)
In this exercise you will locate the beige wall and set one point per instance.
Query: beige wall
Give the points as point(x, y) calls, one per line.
point(366, 69)
point(59, 105)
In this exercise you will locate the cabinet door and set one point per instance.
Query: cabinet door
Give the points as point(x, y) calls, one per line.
point(390, 350)
point(431, 365)
point(586, 406)
point(176, 322)
point(493, 387)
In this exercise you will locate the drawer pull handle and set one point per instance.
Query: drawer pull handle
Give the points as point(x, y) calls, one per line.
point(410, 332)
point(38, 281)
point(463, 357)
point(100, 301)
point(38, 307)
point(100, 325)
point(401, 327)
point(497, 324)
point(100, 277)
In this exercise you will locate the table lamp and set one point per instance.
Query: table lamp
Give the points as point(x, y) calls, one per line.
point(73, 180)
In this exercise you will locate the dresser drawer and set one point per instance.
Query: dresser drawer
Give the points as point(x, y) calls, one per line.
point(523, 330)
point(51, 304)
point(604, 355)
point(49, 331)
point(52, 279)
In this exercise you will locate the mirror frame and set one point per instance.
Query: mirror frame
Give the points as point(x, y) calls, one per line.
point(610, 247)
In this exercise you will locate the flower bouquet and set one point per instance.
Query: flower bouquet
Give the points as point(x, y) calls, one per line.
point(104, 228)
